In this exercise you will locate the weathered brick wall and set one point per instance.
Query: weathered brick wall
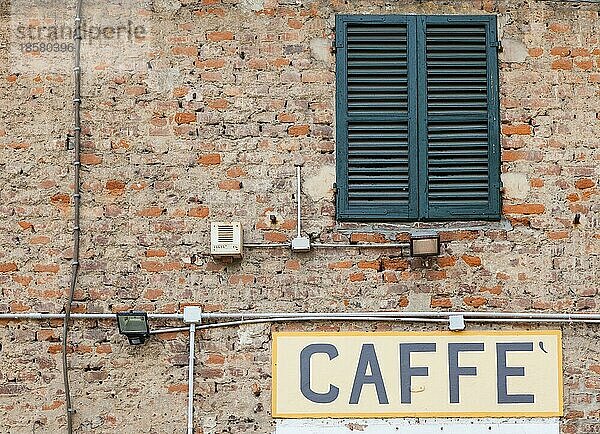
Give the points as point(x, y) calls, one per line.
point(222, 99)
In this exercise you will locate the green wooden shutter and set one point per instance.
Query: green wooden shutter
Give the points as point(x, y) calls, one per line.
point(459, 127)
point(375, 115)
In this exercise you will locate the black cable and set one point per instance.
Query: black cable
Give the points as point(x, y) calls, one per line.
point(76, 217)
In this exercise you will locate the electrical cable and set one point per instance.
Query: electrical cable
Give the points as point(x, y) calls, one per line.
point(76, 216)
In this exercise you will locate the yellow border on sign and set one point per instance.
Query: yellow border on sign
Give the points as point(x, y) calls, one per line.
point(276, 414)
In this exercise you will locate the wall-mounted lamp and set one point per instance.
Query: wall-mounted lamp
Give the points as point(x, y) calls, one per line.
point(425, 244)
point(134, 325)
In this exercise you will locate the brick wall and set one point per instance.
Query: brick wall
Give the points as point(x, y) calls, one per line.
point(202, 120)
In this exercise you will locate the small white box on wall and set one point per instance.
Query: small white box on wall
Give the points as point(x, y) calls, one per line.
point(226, 239)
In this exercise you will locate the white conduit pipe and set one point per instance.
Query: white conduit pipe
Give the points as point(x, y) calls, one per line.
point(89, 316)
point(190, 415)
point(357, 246)
point(333, 245)
point(381, 316)
point(299, 216)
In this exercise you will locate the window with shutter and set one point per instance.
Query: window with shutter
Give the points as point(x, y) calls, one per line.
point(417, 118)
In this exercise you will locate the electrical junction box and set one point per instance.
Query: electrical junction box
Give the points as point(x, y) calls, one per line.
point(301, 244)
point(226, 239)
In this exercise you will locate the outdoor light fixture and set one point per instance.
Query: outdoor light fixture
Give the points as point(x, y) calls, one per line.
point(425, 244)
point(134, 325)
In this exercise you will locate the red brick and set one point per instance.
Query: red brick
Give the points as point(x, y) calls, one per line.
point(292, 264)
point(185, 50)
point(53, 406)
point(441, 302)
point(153, 211)
point(298, 130)
point(584, 183)
point(45, 268)
point(446, 261)
point(580, 52)
point(103, 349)
point(90, 159)
point(8, 267)
point(395, 264)
point(294, 24)
point(22, 280)
point(219, 36)
point(536, 182)
point(115, 186)
point(153, 294)
point(524, 208)
point(46, 335)
point(475, 301)
point(586, 65)
point(390, 277)
point(374, 265)
point(218, 104)
point(244, 279)
point(181, 91)
point(357, 277)
point(156, 253)
point(536, 52)
point(275, 237)
point(517, 129)
point(61, 198)
point(558, 235)
point(279, 62)
point(358, 237)
point(177, 388)
point(471, 261)
point(560, 51)
point(286, 117)
point(496, 290)
point(559, 27)
point(199, 211)
point(40, 239)
point(156, 267)
point(210, 63)
point(258, 64)
point(435, 275)
point(215, 359)
point(458, 235)
point(209, 159)
point(565, 64)
point(185, 118)
point(230, 184)
point(340, 265)
point(235, 172)
point(17, 306)
point(135, 90)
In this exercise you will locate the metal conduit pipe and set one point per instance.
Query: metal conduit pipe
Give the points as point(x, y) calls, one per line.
point(76, 217)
